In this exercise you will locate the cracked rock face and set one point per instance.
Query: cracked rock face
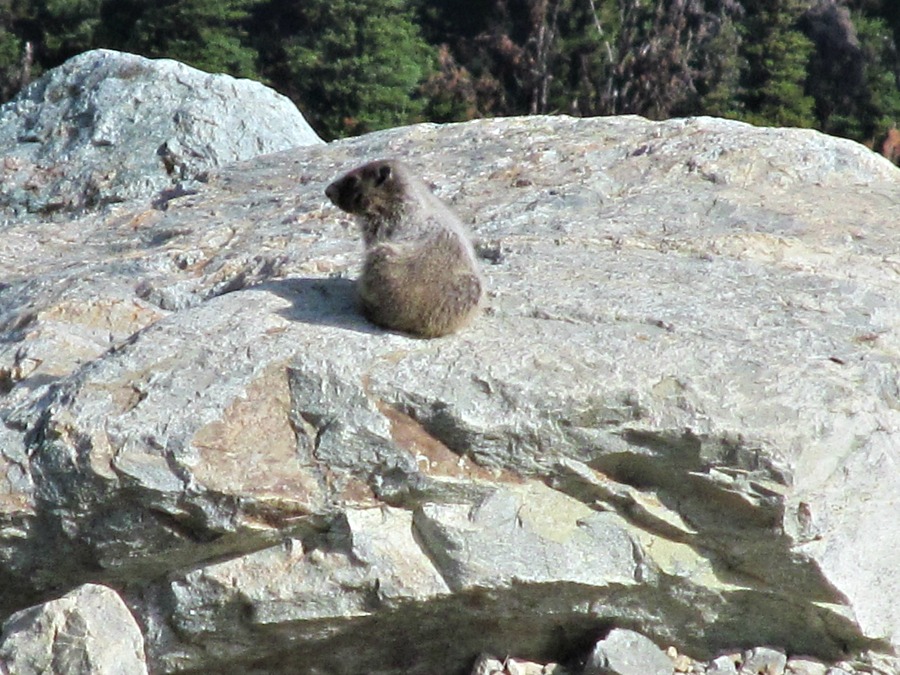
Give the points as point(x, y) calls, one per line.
point(678, 414)
point(107, 127)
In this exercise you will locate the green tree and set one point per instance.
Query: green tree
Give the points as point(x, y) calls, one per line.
point(15, 56)
point(777, 54)
point(352, 66)
point(854, 72)
point(450, 93)
point(879, 104)
point(206, 34)
point(68, 25)
point(886, 10)
point(583, 69)
point(718, 68)
point(52, 30)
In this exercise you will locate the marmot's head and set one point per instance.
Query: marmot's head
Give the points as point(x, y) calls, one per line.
point(374, 190)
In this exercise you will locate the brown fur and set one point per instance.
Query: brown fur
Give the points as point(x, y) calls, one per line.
point(420, 275)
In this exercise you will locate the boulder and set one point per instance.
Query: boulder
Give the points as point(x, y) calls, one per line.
point(86, 632)
point(107, 127)
point(678, 414)
point(624, 652)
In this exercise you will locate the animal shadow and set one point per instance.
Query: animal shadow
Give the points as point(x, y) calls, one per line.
point(325, 301)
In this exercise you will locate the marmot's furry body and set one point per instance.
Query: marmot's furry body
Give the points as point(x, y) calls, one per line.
point(420, 274)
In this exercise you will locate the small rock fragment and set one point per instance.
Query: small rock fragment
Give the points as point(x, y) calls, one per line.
point(624, 652)
point(489, 665)
point(89, 631)
point(681, 662)
point(486, 664)
point(517, 667)
point(763, 661)
point(802, 665)
point(724, 665)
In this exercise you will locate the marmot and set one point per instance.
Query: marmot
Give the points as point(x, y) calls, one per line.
point(420, 275)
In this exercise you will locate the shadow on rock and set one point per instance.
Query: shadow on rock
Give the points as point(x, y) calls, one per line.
point(325, 301)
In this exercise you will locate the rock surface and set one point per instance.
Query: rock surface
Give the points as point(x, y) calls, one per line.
point(107, 127)
point(727, 664)
point(488, 665)
point(86, 632)
point(624, 652)
point(763, 661)
point(678, 416)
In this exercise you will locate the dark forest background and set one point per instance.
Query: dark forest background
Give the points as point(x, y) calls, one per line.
point(355, 66)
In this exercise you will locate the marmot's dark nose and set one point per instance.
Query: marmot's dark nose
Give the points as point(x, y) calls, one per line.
point(331, 192)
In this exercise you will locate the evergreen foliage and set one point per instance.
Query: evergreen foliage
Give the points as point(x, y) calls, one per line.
point(354, 65)
point(206, 34)
point(717, 90)
point(879, 105)
point(777, 54)
point(56, 29)
point(358, 66)
point(14, 59)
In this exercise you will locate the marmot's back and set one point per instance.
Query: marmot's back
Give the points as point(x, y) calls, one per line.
point(420, 274)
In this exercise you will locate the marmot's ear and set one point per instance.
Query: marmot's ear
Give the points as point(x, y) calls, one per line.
point(384, 172)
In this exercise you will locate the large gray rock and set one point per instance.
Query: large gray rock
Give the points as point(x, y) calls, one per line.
point(107, 127)
point(679, 414)
point(86, 632)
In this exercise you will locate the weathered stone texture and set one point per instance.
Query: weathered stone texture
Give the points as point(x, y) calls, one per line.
point(86, 632)
point(106, 127)
point(624, 652)
point(679, 414)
